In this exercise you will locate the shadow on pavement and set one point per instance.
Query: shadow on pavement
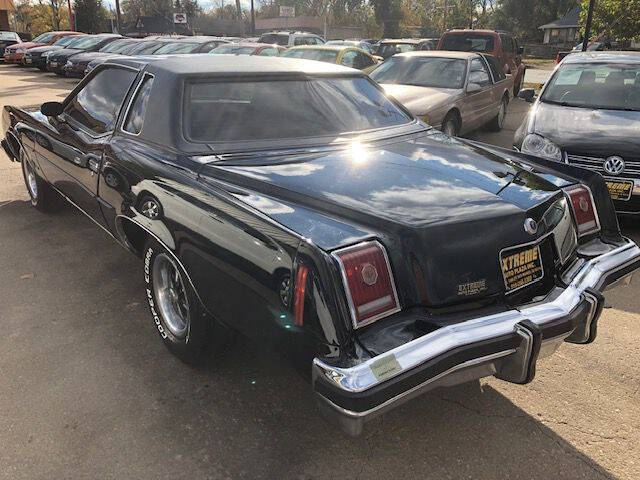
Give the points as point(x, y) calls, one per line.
point(89, 389)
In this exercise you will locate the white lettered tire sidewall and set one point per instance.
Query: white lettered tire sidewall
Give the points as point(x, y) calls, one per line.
point(190, 347)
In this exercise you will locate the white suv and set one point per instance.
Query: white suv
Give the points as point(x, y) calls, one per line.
point(291, 39)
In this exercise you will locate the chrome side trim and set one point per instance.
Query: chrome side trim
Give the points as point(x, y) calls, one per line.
point(591, 274)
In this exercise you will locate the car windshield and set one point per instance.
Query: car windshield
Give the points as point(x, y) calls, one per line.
point(9, 36)
point(275, 38)
point(116, 46)
point(387, 50)
point(61, 42)
point(245, 110)
point(608, 86)
point(468, 42)
point(88, 42)
point(75, 40)
point(145, 46)
point(321, 55)
point(44, 38)
point(433, 72)
point(232, 50)
point(177, 47)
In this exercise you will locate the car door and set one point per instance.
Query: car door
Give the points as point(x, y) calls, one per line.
point(74, 147)
point(477, 103)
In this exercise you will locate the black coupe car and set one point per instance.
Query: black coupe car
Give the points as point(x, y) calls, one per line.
point(294, 202)
point(588, 114)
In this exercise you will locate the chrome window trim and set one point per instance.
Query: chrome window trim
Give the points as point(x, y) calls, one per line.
point(347, 291)
point(132, 99)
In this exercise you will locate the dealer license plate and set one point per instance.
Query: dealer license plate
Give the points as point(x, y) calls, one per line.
point(53, 64)
point(620, 189)
point(521, 266)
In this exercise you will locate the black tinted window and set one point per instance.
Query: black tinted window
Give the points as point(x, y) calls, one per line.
point(247, 110)
point(467, 42)
point(497, 72)
point(274, 38)
point(96, 106)
point(135, 117)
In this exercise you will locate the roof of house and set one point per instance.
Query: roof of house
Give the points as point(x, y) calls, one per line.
point(570, 20)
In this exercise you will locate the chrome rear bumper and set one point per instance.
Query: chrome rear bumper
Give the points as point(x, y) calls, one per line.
point(506, 345)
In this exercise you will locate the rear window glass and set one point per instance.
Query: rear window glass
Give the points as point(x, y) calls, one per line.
point(389, 49)
point(463, 42)
point(270, 110)
point(328, 56)
point(233, 50)
point(275, 38)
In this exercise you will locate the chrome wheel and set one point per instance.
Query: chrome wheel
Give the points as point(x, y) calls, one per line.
point(502, 114)
point(30, 177)
point(171, 295)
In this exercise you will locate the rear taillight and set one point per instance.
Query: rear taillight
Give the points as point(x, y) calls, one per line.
point(584, 209)
point(368, 280)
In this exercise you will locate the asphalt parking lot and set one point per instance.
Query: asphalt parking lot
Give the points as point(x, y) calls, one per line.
point(87, 390)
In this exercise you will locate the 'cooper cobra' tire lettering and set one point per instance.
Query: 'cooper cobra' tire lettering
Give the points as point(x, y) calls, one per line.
point(156, 318)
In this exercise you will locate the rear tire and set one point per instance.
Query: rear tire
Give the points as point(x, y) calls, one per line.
point(43, 197)
point(498, 122)
point(184, 325)
point(451, 124)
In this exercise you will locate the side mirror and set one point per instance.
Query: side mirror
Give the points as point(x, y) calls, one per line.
point(520, 50)
point(527, 94)
point(51, 109)
point(473, 87)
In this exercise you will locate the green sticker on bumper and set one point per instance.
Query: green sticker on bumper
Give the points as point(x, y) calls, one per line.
point(385, 367)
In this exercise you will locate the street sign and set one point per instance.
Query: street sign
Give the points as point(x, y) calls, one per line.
point(287, 11)
point(179, 18)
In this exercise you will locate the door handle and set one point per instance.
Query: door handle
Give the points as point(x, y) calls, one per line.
point(90, 160)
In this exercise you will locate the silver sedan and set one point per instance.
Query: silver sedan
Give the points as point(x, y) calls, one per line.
point(456, 92)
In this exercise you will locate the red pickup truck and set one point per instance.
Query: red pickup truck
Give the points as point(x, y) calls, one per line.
point(501, 45)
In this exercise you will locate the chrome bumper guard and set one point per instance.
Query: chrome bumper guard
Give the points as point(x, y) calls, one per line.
point(506, 345)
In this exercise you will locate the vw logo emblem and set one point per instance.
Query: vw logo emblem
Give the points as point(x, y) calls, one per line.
point(614, 165)
point(530, 226)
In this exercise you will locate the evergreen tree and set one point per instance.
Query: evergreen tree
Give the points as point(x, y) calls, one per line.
point(90, 15)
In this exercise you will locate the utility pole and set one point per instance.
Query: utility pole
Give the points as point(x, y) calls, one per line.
point(71, 27)
point(587, 27)
point(118, 16)
point(253, 20)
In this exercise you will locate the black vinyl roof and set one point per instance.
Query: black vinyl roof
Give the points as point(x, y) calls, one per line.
point(179, 65)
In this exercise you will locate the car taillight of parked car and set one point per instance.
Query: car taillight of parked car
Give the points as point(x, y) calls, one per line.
point(584, 209)
point(369, 284)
